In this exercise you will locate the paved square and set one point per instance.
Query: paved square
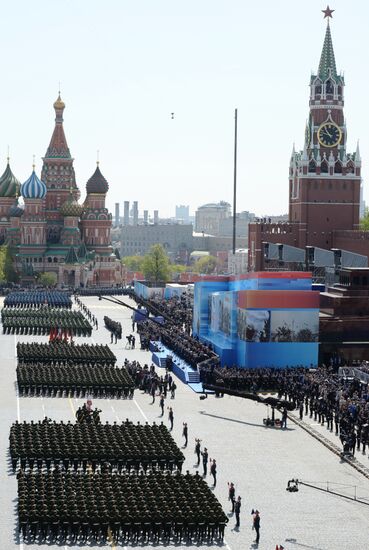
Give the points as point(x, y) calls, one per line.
point(258, 460)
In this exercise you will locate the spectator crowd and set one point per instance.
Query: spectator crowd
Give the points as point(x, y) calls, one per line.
point(339, 403)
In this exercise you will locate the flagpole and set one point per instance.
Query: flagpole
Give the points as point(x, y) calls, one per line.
point(234, 182)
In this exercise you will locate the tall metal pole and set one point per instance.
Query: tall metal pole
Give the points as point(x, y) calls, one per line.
point(235, 181)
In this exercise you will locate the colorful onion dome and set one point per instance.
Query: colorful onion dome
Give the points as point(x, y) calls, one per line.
point(16, 210)
point(33, 188)
point(97, 183)
point(9, 185)
point(71, 207)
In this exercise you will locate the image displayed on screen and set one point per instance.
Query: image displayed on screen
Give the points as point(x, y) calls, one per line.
point(294, 326)
point(254, 325)
point(225, 314)
point(155, 293)
point(214, 312)
point(241, 323)
point(211, 309)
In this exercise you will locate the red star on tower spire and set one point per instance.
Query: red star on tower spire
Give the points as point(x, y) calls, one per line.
point(328, 12)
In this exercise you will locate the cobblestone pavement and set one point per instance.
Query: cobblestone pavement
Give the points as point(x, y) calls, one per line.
point(258, 460)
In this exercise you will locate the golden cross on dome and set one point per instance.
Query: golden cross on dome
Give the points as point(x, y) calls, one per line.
point(33, 163)
point(98, 157)
point(328, 12)
point(8, 157)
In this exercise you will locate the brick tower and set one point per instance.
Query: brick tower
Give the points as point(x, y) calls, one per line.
point(96, 222)
point(324, 179)
point(58, 174)
point(33, 228)
point(324, 183)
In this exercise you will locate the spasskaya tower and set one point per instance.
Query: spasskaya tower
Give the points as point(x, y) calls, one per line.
point(324, 179)
point(324, 183)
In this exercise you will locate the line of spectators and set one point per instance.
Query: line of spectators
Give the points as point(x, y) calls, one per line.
point(176, 310)
point(188, 348)
point(340, 404)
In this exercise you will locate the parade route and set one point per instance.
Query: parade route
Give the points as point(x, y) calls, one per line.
point(257, 459)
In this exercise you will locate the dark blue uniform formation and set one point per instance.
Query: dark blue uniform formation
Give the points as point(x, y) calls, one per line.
point(53, 298)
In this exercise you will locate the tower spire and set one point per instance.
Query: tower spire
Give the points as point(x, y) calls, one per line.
point(327, 64)
point(58, 147)
point(357, 153)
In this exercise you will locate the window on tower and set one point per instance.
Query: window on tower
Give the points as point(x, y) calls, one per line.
point(350, 168)
point(312, 166)
point(338, 167)
point(329, 87)
point(324, 167)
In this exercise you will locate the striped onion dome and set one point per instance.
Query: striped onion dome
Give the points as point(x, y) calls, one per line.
point(33, 188)
point(9, 185)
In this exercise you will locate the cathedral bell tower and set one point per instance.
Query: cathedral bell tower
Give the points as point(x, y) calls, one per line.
point(324, 179)
point(58, 174)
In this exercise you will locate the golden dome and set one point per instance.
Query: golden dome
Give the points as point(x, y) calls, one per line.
point(59, 104)
point(71, 207)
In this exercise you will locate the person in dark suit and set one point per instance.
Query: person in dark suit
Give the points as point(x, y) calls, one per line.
point(171, 418)
point(198, 450)
point(185, 433)
point(205, 457)
point(256, 524)
point(213, 470)
point(237, 510)
point(232, 495)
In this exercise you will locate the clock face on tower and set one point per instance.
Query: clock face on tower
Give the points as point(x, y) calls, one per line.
point(329, 134)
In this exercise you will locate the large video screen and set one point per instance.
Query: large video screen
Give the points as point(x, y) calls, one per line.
point(225, 307)
point(253, 325)
point(294, 326)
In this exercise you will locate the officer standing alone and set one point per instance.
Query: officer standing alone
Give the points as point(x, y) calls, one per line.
point(205, 457)
point(237, 510)
point(185, 433)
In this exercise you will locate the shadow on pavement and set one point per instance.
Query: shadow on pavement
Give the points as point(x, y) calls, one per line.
point(241, 421)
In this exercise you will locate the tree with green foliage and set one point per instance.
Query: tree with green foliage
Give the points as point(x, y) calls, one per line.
point(206, 265)
point(133, 263)
point(47, 279)
point(364, 222)
point(156, 266)
point(7, 271)
point(178, 268)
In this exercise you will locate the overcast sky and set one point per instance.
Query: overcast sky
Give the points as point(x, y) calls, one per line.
point(126, 65)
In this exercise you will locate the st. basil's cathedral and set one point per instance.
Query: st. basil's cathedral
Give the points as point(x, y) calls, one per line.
point(52, 232)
